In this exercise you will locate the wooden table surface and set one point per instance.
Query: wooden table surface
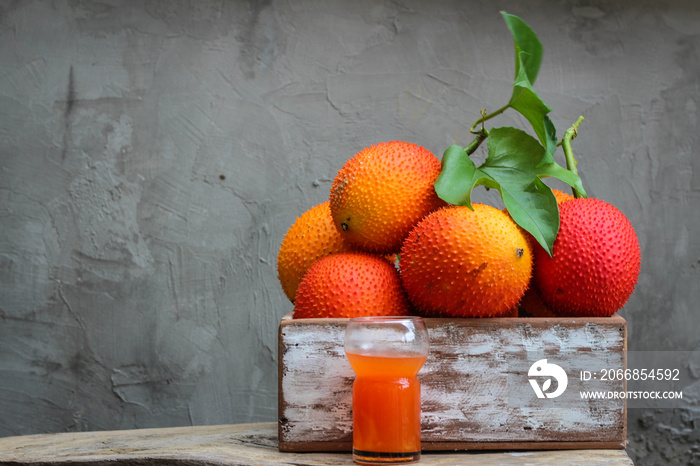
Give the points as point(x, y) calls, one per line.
point(239, 444)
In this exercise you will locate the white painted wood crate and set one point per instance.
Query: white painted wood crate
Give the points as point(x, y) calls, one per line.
point(471, 384)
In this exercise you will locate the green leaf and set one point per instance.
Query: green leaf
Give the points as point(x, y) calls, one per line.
point(514, 167)
point(526, 101)
point(534, 207)
point(528, 57)
point(550, 140)
point(457, 177)
point(513, 162)
point(516, 161)
point(554, 170)
point(525, 41)
point(511, 168)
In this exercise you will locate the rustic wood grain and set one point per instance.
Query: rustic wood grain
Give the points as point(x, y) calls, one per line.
point(243, 444)
point(466, 402)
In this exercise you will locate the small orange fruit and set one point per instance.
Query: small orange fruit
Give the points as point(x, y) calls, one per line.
point(310, 237)
point(561, 196)
point(382, 192)
point(460, 262)
point(350, 284)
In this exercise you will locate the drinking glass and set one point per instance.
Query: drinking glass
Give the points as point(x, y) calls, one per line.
point(386, 354)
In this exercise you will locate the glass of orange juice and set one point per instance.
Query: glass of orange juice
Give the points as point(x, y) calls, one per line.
point(386, 354)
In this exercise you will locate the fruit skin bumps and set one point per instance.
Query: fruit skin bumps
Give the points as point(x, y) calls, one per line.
point(531, 304)
point(462, 263)
point(561, 196)
point(350, 284)
point(310, 237)
point(382, 192)
point(595, 264)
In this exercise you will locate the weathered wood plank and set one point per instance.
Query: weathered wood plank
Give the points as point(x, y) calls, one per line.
point(468, 395)
point(243, 444)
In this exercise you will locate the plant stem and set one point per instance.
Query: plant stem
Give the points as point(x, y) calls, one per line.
point(485, 117)
point(568, 152)
point(481, 134)
point(480, 137)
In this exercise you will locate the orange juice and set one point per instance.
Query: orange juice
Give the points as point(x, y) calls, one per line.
point(386, 406)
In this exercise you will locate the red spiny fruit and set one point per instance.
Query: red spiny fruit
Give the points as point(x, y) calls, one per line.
point(350, 284)
point(595, 264)
point(532, 305)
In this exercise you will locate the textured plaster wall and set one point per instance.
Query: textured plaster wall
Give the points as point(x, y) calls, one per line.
point(153, 154)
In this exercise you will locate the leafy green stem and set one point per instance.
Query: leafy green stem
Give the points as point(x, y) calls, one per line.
point(480, 137)
point(485, 117)
point(569, 153)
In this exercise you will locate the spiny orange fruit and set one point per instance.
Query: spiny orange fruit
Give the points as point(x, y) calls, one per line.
point(350, 284)
point(460, 262)
point(595, 263)
point(561, 196)
point(382, 192)
point(310, 237)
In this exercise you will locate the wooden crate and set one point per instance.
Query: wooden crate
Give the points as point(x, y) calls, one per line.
point(472, 384)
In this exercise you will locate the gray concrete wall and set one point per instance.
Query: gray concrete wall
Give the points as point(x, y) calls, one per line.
point(153, 154)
